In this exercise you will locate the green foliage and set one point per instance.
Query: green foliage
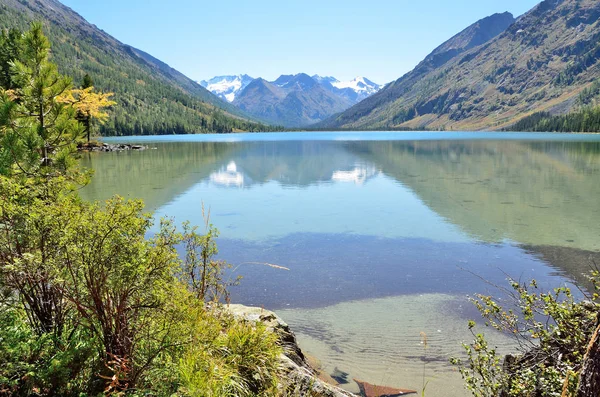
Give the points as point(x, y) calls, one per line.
point(585, 120)
point(553, 330)
point(118, 280)
point(38, 132)
point(227, 357)
point(11, 49)
point(32, 220)
point(89, 305)
point(87, 82)
point(86, 274)
point(590, 94)
point(203, 273)
point(482, 372)
point(43, 365)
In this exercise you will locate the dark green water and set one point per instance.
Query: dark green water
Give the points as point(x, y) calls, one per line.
point(385, 234)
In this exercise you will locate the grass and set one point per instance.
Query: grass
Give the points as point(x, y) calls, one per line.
point(228, 357)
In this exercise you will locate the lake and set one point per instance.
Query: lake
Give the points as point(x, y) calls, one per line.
point(385, 234)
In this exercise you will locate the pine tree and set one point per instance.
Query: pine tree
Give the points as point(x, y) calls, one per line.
point(11, 49)
point(87, 81)
point(38, 130)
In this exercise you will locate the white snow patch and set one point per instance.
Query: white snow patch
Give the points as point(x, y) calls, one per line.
point(358, 85)
point(224, 86)
point(227, 87)
point(230, 97)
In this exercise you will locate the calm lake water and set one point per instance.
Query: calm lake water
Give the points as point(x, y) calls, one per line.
point(385, 234)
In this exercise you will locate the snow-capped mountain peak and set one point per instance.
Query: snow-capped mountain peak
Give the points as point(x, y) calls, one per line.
point(356, 90)
point(359, 85)
point(325, 79)
point(227, 87)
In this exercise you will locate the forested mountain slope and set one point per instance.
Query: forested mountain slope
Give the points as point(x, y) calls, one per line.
point(152, 97)
point(541, 62)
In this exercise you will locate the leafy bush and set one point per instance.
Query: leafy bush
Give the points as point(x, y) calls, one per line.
point(43, 365)
point(552, 330)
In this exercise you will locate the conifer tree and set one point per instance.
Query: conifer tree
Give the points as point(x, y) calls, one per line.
point(38, 129)
point(87, 81)
point(11, 49)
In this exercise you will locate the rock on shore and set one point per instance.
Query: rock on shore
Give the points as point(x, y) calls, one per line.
point(107, 147)
point(300, 379)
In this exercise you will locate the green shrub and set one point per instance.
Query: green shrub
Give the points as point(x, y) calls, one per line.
point(552, 329)
point(226, 357)
point(43, 365)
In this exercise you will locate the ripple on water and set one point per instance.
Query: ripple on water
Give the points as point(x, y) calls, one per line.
point(379, 341)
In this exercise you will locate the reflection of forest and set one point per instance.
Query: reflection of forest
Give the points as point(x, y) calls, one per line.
point(531, 193)
point(577, 263)
point(158, 176)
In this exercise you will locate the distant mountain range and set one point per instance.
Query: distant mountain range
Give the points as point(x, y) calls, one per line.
point(291, 100)
point(494, 73)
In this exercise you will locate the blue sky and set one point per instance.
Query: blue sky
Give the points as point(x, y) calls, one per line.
point(379, 39)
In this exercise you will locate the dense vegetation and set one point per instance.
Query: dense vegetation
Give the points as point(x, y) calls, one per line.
point(88, 304)
point(558, 338)
point(585, 120)
point(152, 98)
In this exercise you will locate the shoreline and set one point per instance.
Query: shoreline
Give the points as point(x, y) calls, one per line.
point(301, 373)
point(299, 376)
point(108, 147)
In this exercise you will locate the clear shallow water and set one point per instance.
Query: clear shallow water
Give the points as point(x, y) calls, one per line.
point(384, 345)
point(385, 234)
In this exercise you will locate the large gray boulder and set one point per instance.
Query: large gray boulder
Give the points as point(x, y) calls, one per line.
point(299, 378)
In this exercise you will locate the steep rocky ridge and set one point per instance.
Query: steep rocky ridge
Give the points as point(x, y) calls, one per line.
point(540, 62)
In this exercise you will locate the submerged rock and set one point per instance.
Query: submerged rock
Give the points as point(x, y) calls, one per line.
point(340, 376)
point(369, 390)
point(299, 378)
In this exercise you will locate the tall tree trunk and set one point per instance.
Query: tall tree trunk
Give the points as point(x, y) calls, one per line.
point(589, 379)
point(88, 127)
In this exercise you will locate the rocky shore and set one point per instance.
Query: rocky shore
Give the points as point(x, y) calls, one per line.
point(300, 378)
point(107, 147)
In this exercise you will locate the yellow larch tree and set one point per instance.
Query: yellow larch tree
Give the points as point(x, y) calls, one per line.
point(90, 106)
